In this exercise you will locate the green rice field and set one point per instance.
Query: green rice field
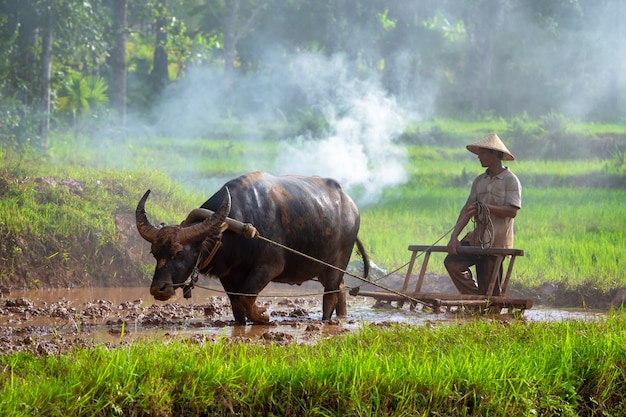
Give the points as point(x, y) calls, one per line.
point(571, 225)
point(471, 368)
point(571, 231)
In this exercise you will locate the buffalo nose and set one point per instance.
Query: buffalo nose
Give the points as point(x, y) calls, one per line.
point(162, 294)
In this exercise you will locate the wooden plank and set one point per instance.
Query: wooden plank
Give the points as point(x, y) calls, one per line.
point(438, 300)
point(407, 278)
point(507, 277)
point(428, 295)
point(494, 275)
point(502, 303)
point(449, 299)
point(500, 253)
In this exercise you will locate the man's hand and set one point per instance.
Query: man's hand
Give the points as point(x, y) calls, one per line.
point(467, 212)
point(471, 210)
point(452, 245)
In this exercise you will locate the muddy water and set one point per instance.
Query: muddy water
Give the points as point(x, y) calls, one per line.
point(34, 319)
point(295, 314)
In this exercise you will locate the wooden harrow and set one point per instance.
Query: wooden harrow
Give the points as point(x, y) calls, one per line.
point(439, 302)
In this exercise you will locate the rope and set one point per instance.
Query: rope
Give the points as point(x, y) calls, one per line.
point(190, 282)
point(402, 266)
point(483, 226)
point(313, 294)
point(340, 270)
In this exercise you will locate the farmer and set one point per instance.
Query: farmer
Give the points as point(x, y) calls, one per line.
point(493, 202)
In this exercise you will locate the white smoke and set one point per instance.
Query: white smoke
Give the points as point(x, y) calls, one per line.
point(361, 150)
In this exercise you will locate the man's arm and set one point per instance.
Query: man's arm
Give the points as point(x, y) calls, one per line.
point(502, 211)
point(467, 212)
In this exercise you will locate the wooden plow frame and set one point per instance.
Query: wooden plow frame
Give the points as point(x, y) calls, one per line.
point(439, 301)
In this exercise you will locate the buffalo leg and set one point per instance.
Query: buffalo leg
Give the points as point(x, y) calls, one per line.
point(334, 299)
point(340, 309)
point(329, 303)
point(255, 313)
point(239, 310)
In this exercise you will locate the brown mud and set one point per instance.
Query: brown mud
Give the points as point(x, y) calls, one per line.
point(47, 322)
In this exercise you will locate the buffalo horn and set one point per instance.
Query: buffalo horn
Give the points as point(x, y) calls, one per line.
point(245, 229)
point(145, 228)
point(211, 226)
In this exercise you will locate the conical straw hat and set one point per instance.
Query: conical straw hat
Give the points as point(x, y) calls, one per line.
point(491, 142)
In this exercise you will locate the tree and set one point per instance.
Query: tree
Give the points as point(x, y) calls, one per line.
point(20, 34)
point(82, 94)
point(237, 22)
point(52, 37)
point(47, 28)
point(482, 20)
point(117, 59)
point(159, 74)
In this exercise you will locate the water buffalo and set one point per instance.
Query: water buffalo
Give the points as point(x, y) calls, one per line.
point(311, 215)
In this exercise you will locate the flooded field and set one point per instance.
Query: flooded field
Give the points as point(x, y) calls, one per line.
point(53, 320)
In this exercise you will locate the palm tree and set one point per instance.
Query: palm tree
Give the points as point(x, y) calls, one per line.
point(81, 94)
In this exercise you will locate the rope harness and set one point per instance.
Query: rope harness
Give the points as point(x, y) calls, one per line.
point(483, 226)
point(191, 281)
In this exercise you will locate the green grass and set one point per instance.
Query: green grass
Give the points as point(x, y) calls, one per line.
point(460, 129)
point(571, 224)
point(461, 369)
point(472, 129)
point(210, 157)
point(52, 230)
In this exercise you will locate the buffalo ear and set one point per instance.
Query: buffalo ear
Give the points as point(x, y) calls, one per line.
point(210, 227)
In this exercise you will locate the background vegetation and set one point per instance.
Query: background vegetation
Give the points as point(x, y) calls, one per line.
point(105, 67)
point(103, 99)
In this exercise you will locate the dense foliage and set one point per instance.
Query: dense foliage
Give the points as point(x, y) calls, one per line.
point(98, 67)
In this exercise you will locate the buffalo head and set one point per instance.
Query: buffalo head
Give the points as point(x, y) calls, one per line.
point(177, 249)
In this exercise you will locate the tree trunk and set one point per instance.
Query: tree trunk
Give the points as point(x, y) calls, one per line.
point(236, 26)
point(231, 23)
point(159, 73)
point(26, 71)
point(118, 61)
point(46, 69)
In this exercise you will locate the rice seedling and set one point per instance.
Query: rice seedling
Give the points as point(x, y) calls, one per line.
point(466, 368)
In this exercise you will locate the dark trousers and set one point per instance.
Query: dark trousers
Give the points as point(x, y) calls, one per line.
point(458, 267)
